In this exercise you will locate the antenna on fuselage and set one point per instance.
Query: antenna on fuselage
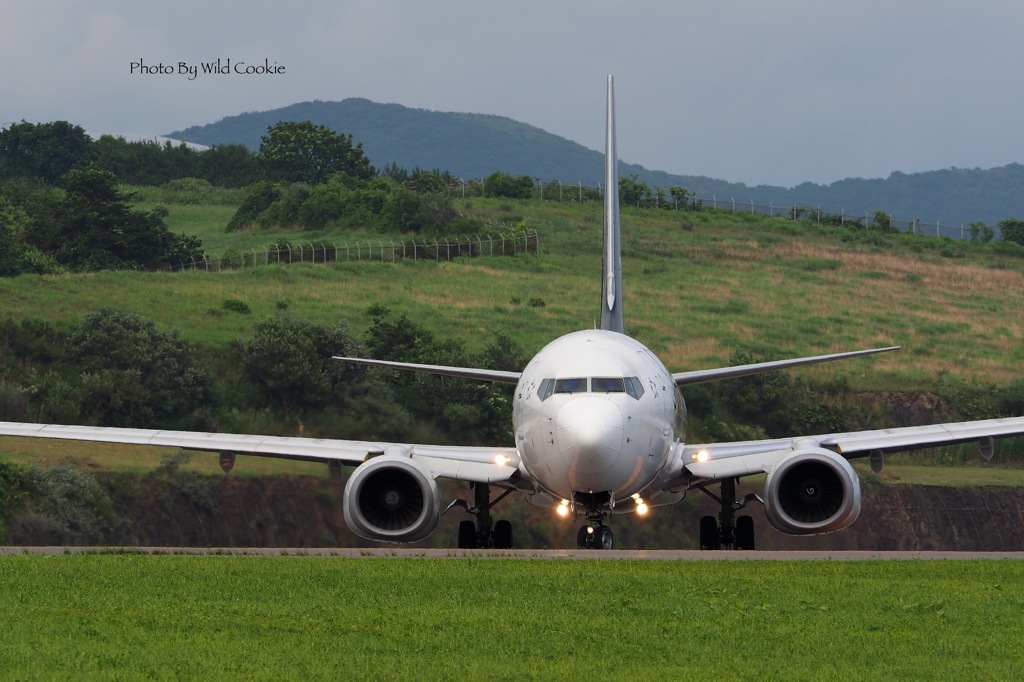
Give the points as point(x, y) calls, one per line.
point(611, 287)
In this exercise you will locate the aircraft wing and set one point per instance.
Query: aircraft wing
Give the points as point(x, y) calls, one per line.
point(716, 461)
point(477, 464)
point(495, 375)
point(702, 375)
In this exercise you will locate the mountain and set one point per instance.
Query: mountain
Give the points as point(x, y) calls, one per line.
point(476, 145)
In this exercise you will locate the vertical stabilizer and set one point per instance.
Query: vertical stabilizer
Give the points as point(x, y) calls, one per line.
point(611, 289)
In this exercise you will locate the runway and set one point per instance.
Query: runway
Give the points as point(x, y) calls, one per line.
point(524, 554)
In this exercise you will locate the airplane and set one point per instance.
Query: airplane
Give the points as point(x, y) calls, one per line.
point(599, 425)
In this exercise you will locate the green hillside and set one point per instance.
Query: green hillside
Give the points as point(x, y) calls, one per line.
point(476, 145)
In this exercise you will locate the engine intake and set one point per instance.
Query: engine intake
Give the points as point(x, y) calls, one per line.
point(392, 499)
point(812, 491)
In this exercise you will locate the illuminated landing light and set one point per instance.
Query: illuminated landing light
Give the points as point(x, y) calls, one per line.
point(563, 509)
point(501, 460)
point(701, 456)
point(641, 509)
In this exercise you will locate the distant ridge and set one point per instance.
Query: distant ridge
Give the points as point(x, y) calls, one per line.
point(476, 145)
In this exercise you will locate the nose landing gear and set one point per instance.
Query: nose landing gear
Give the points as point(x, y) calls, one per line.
point(595, 536)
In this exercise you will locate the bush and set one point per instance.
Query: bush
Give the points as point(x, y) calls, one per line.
point(258, 199)
point(134, 374)
point(290, 361)
point(500, 184)
point(1012, 230)
point(64, 505)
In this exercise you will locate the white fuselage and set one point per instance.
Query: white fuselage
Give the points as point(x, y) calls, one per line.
point(596, 412)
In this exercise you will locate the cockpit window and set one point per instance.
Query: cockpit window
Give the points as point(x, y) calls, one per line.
point(570, 385)
point(634, 388)
point(545, 389)
point(607, 385)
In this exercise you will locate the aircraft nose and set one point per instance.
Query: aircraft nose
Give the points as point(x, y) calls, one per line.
point(589, 432)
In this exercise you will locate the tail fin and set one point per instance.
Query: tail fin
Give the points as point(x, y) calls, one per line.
point(611, 291)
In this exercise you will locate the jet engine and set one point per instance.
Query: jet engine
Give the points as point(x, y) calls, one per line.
point(812, 491)
point(393, 499)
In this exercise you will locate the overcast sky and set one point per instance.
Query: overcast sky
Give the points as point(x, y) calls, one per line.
point(777, 92)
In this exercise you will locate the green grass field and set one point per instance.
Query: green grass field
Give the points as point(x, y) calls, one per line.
point(218, 617)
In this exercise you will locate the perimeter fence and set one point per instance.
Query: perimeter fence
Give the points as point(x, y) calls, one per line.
point(641, 195)
point(382, 250)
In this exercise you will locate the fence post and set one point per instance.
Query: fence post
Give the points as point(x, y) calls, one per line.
point(381, 245)
point(581, 191)
point(437, 252)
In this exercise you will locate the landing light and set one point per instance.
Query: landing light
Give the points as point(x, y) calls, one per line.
point(641, 509)
point(501, 460)
point(701, 456)
point(563, 509)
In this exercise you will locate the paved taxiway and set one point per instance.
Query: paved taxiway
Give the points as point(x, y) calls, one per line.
point(647, 555)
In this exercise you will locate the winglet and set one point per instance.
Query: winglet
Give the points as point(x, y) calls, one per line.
point(611, 294)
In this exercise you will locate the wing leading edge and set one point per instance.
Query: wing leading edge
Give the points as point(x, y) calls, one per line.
point(718, 461)
point(476, 464)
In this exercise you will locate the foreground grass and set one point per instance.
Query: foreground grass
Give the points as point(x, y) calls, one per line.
point(129, 616)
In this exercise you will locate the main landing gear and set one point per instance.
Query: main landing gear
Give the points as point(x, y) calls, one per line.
point(728, 531)
point(483, 534)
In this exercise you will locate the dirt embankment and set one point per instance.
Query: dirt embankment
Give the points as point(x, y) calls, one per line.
point(285, 511)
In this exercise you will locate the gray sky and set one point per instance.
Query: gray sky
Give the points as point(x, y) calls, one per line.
point(777, 92)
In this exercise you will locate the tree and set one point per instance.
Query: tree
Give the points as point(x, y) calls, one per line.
point(134, 374)
point(980, 232)
point(228, 165)
point(304, 152)
point(99, 229)
point(633, 192)
point(44, 150)
point(499, 184)
point(1012, 230)
point(290, 361)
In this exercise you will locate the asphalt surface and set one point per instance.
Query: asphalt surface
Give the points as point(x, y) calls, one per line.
point(646, 555)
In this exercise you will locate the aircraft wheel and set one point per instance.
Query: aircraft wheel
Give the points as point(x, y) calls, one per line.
point(708, 532)
point(467, 535)
point(744, 532)
point(503, 534)
point(583, 538)
point(603, 537)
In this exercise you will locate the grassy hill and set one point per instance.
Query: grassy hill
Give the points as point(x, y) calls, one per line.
point(476, 145)
point(698, 287)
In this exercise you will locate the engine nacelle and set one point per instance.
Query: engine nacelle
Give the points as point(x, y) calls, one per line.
point(392, 499)
point(812, 491)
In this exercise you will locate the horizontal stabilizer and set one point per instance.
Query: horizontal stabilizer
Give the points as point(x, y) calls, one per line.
point(702, 375)
point(443, 370)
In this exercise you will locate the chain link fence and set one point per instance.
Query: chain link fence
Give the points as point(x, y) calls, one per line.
point(383, 250)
